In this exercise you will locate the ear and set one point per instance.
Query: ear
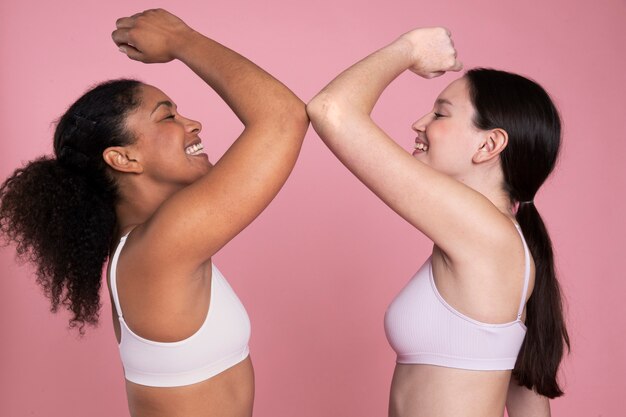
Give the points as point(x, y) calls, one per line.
point(494, 142)
point(120, 159)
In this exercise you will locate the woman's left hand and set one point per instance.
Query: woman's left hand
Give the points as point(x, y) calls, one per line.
point(432, 51)
point(151, 36)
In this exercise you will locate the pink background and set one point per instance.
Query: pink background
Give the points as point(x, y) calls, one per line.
point(318, 268)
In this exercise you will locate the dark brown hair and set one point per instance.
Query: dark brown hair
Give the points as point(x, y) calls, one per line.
point(525, 111)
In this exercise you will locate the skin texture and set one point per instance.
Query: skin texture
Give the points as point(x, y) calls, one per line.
point(181, 209)
point(452, 193)
point(522, 402)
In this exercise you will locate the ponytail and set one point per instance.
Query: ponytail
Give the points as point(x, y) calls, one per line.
point(60, 211)
point(61, 222)
point(546, 336)
point(525, 111)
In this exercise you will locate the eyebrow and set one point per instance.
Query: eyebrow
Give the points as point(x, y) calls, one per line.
point(162, 103)
point(444, 101)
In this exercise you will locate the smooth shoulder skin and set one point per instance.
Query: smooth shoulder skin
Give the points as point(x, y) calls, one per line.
point(478, 259)
point(164, 271)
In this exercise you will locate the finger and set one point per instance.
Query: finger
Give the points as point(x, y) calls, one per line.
point(125, 22)
point(121, 36)
point(131, 52)
point(458, 65)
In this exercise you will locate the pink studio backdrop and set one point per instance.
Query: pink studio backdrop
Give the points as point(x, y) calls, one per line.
point(318, 268)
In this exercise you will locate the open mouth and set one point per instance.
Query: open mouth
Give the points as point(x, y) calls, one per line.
point(420, 146)
point(195, 149)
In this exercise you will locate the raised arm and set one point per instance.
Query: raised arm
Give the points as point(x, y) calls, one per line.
point(522, 402)
point(450, 213)
point(243, 182)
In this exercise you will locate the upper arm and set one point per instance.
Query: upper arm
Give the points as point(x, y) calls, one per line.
point(457, 218)
point(522, 402)
point(197, 221)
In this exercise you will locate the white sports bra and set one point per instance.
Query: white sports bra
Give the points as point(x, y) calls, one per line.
point(220, 343)
point(424, 329)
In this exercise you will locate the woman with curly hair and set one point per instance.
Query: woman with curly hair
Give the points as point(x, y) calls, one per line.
point(480, 325)
point(130, 183)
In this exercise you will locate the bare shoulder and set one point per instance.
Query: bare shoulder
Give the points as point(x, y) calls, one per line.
point(487, 283)
point(160, 301)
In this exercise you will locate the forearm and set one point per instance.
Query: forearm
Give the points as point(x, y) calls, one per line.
point(357, 89)
point(522, 402)
point(428, 52)
point(254, 95)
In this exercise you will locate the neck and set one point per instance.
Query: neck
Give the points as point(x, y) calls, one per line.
point(490, 183)
point(138, 202)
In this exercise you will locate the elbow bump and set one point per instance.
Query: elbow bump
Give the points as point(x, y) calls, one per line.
point(323, 110)
point(297, 120)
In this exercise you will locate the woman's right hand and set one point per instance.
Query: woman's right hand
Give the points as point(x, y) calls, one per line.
point(153, 36)
point(432, 51)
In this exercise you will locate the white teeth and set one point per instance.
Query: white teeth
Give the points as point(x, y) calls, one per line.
point(421, 146)
point(194, 149)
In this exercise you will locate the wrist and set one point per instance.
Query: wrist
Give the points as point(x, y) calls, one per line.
point(402, 48)
point(185, 43)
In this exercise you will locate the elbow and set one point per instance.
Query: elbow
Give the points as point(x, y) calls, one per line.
point(293, 120)
point(324, 112)
point(299, 120)
point(316, 108)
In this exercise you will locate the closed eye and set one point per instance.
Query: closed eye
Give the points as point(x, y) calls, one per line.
point(438, 115)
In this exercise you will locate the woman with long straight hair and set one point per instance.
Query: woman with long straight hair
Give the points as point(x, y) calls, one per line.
point(480, 325)
point(130, 183)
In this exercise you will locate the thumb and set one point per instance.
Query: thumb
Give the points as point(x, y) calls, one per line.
point(434, 74)
point(458, 66)
point(130, 51)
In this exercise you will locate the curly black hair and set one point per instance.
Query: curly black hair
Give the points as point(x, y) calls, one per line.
point(60, 211)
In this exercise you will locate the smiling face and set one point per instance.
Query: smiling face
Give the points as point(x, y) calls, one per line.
point(447, 139)
point(166, 144)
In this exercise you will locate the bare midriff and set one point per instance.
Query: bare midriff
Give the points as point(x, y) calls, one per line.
point(228, 394)
point(435, 391)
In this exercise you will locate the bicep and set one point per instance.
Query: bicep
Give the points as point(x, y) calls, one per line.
point(197, 221)
point(450, 213)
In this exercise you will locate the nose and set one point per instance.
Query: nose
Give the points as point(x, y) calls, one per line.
point(421, 123)
point(193, 126)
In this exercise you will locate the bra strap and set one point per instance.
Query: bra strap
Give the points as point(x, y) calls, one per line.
point(113, 272)
point(526, 274)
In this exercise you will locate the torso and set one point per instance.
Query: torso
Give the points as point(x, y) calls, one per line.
point(229, 393)
point(435, 391)
point(428, 390)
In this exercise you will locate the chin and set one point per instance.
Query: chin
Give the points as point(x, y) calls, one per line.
point(203, 172)
point(421, 156)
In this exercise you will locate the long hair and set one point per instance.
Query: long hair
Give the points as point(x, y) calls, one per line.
point(525, 111)
point(59, 211)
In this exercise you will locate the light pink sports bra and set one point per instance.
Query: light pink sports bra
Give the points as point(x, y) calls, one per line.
point(424, 329)
point(220, 343)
